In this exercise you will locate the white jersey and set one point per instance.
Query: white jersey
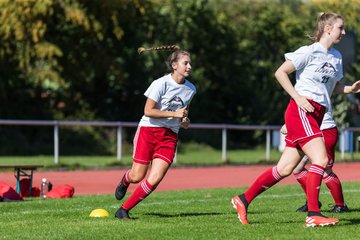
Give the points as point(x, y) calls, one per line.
point(169, 96)
point(328, 121)
point(317, 72)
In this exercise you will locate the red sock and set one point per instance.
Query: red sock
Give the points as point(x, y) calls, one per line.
point(126, 178)
point(333, 183)
point(301, 177)
point(266, 180)
point(141, 192)
point(313, 184)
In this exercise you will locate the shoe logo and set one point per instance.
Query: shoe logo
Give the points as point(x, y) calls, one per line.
point(238, 202)
point(265, 187)
point(309, 220)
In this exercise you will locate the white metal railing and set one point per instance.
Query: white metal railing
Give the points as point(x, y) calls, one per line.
point(120, 125)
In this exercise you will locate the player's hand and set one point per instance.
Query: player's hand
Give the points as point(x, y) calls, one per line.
point(304, 104)
point(185, 122)
point(355, 87)
point(283, 130)
point(181, 112)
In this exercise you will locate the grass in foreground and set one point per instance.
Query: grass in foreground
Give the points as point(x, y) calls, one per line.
point(193, 214)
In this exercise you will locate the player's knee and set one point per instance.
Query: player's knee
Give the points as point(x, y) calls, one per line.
point(297, 170)
point(136, 177)
point(155, 178)
point(323, 162)
point(284, 172)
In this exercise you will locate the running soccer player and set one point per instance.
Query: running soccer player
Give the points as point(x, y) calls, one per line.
point(331, 180)
point(166, 110)
point(318, 70)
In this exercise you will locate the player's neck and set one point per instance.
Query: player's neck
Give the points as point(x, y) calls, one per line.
point(326, 43)
point(178, 78)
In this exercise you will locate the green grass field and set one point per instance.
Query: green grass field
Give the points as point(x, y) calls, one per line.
point(192, 214)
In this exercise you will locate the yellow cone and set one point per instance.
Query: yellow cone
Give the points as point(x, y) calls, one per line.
point(99, 213)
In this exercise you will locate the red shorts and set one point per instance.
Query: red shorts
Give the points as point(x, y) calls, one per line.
point(302, 126)
point(154, 142)
point(330, 138)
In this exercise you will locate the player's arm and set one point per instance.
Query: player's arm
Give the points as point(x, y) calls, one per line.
point(342, 88)
point(282, 75)
point(150, 110)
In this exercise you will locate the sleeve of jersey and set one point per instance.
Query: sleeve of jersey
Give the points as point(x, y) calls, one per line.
point(341, 74)
point(154, 91)
point(341, 68)
point(299, 58)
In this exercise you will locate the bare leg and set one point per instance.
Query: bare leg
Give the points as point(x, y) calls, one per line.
point(301, 165)
point(316, 151)
point(288, 161)
point(138, 172)
point(158, 170)
point(133, 175)
point(146, 187)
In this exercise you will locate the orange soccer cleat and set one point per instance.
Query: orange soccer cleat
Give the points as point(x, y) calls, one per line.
point(320, 221)
point(241, 209)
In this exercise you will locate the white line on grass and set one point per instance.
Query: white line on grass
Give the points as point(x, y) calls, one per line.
point(221, 199)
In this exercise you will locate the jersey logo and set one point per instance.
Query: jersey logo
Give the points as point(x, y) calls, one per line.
point(177, 99)
point(327, 68)
point(175, 103)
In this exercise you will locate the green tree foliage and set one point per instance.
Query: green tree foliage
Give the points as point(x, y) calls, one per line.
point(30, 55)
point(77, 59)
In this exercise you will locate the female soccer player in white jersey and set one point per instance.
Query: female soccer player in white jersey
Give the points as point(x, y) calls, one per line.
point(166, 110)
point(331, 180)
point(318, 69)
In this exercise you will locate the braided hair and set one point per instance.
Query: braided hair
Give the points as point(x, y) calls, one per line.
point(160, 48)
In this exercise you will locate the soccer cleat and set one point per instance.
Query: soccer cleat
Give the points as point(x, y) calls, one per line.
point(304, 208)
point(240, 207)
point(121, 190)
point(340, 209)
point(319, 221)
point(122, 214)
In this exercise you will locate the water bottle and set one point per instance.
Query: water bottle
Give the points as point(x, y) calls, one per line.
point(44, 187)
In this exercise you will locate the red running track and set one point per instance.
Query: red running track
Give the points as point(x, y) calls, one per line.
point(105, 181)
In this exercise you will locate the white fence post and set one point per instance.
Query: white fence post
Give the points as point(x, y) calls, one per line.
point(268, 145)
point(119, 143)
point(224, 144)
point(56, 143)
point(342, 144)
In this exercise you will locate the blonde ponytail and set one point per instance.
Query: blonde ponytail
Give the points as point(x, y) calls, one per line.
point(160, 48)
point(323, 19)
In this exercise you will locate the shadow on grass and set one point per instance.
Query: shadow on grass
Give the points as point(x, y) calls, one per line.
point(350, 221)
point(164, 215)
point(354, 209)
point(351, 210)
